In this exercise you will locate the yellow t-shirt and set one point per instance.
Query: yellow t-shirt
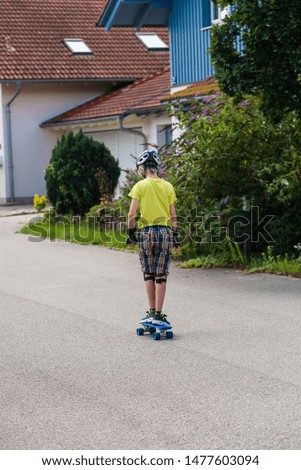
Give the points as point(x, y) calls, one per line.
point(155, 196)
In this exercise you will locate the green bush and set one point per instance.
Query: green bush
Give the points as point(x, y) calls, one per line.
point(227, 158)
point(81, 171)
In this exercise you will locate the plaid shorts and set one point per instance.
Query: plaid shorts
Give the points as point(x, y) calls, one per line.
point(155, 244)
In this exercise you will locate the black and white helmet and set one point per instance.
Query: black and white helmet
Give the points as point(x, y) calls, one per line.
point(149, 158)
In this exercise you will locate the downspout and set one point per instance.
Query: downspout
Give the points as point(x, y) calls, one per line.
point(131, 131)
point(10, 146)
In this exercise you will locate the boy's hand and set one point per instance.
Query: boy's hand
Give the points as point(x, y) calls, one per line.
point(176, 243)
point(132, 239)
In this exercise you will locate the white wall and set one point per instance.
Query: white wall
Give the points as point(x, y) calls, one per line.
point(122, 145)
point(152, 125)
point(176, 131)
point(2, 172)
point(32, 146)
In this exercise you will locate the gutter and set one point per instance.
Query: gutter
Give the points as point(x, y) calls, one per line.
point(131, 131)
point(10, 146)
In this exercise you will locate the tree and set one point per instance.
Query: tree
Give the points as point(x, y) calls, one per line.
point(228, 154)
point(269, 65)
point(73, 176)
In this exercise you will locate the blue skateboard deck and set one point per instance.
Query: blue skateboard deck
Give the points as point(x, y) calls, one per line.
point(158, 331)
point(158, 327)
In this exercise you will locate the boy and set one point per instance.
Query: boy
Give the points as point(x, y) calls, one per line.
point(157, 232)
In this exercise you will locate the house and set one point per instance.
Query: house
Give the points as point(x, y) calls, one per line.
point(54, 57)
point(190, 23)
point(127, 120)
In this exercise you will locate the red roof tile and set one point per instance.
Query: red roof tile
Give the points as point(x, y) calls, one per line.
point(32, 48)
point(143, 95)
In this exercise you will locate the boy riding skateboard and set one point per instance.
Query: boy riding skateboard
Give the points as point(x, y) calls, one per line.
point(157, 232)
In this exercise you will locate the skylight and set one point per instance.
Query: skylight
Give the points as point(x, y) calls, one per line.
point(77, 46)
point(152, 41)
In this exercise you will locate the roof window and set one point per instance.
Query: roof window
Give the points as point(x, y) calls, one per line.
point(77, 46)
point(152, 41)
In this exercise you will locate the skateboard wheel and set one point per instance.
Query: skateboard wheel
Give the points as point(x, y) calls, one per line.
point(140, 331)
point(156, 336)
point(169, 334)
point(152, 330)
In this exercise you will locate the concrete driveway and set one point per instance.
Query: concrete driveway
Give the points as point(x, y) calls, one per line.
point(74, 375)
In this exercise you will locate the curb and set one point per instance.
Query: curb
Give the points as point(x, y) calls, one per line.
point(12, 214)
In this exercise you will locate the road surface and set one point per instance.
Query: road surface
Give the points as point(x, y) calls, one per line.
point(74, 375)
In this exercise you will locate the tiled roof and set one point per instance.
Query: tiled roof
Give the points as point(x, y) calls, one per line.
point(32, 48)
point(143, 95)
point(199, 88)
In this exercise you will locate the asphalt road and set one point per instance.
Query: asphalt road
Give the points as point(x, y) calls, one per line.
point(74, 375)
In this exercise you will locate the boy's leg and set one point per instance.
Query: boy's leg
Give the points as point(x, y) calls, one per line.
point(162, 261)
point(147, 266)
point(150, 290)
point(160, 291)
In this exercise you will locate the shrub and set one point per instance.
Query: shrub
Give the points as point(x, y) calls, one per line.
point(228, 157)
point(79, 173)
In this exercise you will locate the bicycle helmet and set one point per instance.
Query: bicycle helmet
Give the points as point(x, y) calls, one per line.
point(149, 158)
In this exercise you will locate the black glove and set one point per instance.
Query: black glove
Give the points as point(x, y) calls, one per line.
point(131, 236)
point(176, 242)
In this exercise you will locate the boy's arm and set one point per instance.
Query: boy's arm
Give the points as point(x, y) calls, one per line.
point(173, 216)
point(132, 240)
point(132, 213)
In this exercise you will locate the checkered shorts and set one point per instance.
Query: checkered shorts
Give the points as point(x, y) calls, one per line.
point(155, 244)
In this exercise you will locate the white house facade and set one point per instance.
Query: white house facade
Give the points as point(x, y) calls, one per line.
point(54, 57)
point(128, 120)
point(31, 147)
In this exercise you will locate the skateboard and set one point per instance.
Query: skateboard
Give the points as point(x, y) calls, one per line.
point(157, 331)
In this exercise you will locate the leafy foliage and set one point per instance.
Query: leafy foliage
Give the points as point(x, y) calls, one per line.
point(269, 65)
point(79, 173)
point(228, 157)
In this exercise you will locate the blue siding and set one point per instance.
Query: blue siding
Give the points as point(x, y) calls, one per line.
point(207, 69)
point(189, 26)
point(186, 20)
point(190, 36)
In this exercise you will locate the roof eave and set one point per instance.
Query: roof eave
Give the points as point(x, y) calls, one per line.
point(128, 112)
point(59, 80)
point(117, 13)
point(46, 124)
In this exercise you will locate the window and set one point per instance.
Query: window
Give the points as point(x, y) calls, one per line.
point(152, 41)
point(77, 46)
point(164, 135)
point(215, 12)
point(218, 14)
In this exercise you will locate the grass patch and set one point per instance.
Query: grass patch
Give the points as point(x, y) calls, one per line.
point(209, 261)
point(279, 265)
point(83, 234)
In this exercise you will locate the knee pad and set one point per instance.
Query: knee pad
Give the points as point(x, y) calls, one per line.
point(161, 278)
point(149, 277)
